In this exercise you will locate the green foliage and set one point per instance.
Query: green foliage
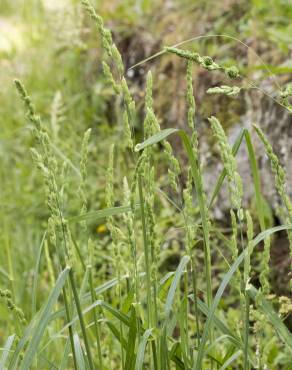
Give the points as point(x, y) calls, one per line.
point(121, 270)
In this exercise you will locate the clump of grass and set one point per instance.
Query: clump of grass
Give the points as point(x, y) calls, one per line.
point(139, 317)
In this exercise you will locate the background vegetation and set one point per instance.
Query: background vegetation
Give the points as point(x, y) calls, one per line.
point(53, 47)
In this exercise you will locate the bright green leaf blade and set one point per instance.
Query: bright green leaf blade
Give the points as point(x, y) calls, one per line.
point(36, 274)
point(230, 360)
point(101, 214)
point(130, 353)
point(79, 352)
point(6, 350)
point(141, 350)
point(271, 315)
point(161, 135)
point(220, 291)
point(117, 333)
point(174, 285)
point(265, 234)
point(43, 320)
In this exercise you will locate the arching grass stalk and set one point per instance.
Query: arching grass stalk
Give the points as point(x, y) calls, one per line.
point(198, 180)
point(146, 250)
point(192, 146)
point(246, 277)
point(196, 175)
point(116, 236)
point(47, 165)
point(280, 184)
point(66, 235)
point(89, 244)
point(190, 235)
point(93, 299)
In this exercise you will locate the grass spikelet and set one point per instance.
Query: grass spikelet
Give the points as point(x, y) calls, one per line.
point(84, 154)
point(109, 193)
point(83, 170)
point(17, 311)
point(285, 94)
point(110, 78)
point(234, 180)
point(57, 114)
point(190, 97)
point(224, 90)
point(205, 62)
point(127, 131)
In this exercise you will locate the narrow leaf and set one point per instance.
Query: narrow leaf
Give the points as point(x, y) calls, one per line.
point(6, 350)
point(38, 330)
point(161, 135)
point(141, 350)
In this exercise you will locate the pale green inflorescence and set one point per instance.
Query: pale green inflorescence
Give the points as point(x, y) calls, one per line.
point(83, 168)
point(204, 61)
point(45, 160)
point(110, 78)
point(280, 184)
point(234, 180)
point(7, 297)
point(224, 90)
point(151, 127)
point(285, 94)
point(130, 237)
point(188, 211)
point(235, 190)
point(116, 233)
point(115, 74)
point(198, 182)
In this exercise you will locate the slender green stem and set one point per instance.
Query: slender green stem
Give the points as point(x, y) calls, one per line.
point(9, 259)
point(196, 174)
point(195, 290)
point(68, 318)
point(96, 324)
point(121, 324)
point(81, 319)
point(146, 252)
point(246, 333)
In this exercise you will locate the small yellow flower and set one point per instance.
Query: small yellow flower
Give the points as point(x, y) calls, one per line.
point(101, 229)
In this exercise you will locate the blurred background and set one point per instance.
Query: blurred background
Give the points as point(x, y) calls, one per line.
point(55, 50)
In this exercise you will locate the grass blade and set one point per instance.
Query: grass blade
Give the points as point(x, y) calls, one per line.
point(271, 315)
point(36, 274)
point(6, 350)
point(130, 354)
point(141, 350)
point(161, 135)
point(220, 291)
point(43, 320)
point(101, 214)
point(174, 285)
point(230, 360)
point(79, 353)
point(223, 285)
